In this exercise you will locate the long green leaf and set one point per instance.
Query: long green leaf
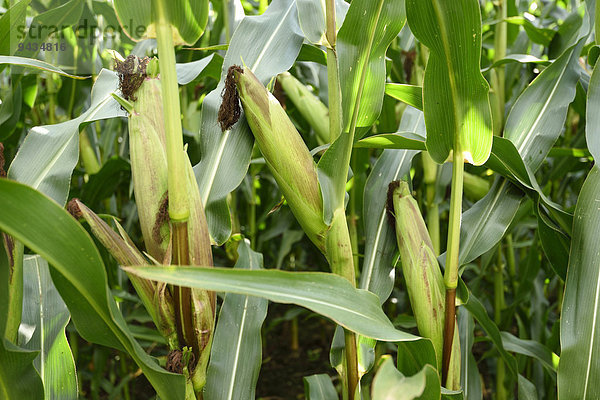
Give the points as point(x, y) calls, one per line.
point(36, 64)
point(455, 94)
point(326, 294)
point(538, 116)
point(79, 275)
point(592, 123)
point(188, 17)
point(367, 21)
point(470, 381)
point(18, 377)
point(579, 365)
point(47, 157)
point(236, 354)
point(268, 44)
point(45, 317)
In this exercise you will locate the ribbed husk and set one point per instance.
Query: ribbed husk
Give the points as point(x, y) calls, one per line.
point(149, 167)
point(285, 153)
point(149, 171)
point(424, 280)
point(124, 251)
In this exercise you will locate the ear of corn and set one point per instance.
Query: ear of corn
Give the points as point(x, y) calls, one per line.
point(149, 166)
point(123, 250)
point(285, 153)
point(424, 280)
point(147, 141)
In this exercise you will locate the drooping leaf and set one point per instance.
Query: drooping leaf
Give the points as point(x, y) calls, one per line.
point(37, 64)
point(324, 293)
point(79, 275)
point(236, 354)
point(455, 94)
point(269, 45)
point(45, 317)
point(477, 310)
point(580, 320)
point(46, 159)
point(532, 349)
point(188, 18)
point(538, 116)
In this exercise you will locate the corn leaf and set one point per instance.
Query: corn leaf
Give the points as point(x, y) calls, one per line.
point(324, 293)
point(18, 377)
point(380, 246)
point(389, 383)
point(269, 45)
point(579, 364)
point(9, 23)
point(319, 387)
point(49, 153)
point(79, 275)
point(45, 317)
point(592, 125)
point(236, 355)
point(379, 21)
point(455, 94)
point(409, 94)
point(188, 17)
point(470, 380)
point(36, 64)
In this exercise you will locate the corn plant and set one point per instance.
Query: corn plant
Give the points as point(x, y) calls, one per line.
point(195, 192)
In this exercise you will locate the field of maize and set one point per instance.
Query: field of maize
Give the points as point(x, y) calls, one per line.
point(287, 199)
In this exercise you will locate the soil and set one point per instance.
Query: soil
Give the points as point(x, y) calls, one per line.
point(283, 367)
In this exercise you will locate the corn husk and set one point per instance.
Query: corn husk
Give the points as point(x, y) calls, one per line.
point(424, 279)
point(285, 154)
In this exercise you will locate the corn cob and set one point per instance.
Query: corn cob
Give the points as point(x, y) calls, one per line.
point(424, 280)
point(284, 151)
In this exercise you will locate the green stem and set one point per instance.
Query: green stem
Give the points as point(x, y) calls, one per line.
point(353, 218)
point(451, 271)
point(510, 261)
point(15, 290)
point(178, 203)
point(339, 246)
point(501, 393)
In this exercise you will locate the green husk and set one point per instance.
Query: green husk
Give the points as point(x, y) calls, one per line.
point(424, 279)
point(285, 153)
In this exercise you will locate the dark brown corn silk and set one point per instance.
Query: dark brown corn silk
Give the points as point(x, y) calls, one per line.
point(230, 111)
point(131, 72)
point(389, 206)
point(73, 209)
